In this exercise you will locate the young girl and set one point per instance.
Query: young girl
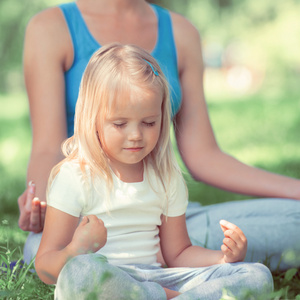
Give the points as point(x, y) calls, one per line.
point(119, 193)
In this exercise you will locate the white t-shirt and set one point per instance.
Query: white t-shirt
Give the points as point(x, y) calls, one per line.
point(131, 213)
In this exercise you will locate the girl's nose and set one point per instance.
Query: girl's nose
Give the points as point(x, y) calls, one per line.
point(135, 134)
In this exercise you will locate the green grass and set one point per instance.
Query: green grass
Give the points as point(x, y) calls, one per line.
point(261, 129)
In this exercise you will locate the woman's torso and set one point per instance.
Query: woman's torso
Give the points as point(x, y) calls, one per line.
point(84, 44)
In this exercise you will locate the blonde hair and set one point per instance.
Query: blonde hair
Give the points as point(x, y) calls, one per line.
point(113, 70)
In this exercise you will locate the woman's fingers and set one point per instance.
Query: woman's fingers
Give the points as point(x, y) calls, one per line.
point(24, 214)
point(30, 195)
point(35, 216)
point(43, 206)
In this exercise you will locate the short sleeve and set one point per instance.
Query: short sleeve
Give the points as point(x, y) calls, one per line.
point(67, 190)
point(177, 197)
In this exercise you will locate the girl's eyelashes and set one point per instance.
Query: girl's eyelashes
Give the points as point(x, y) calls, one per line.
point(149, 124)
point(119, 125)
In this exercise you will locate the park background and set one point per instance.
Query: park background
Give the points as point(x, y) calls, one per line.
point(251, 53)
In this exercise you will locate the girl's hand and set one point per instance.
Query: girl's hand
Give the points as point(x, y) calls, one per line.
point(32, 210)
point(89, 236)
point(234, 245)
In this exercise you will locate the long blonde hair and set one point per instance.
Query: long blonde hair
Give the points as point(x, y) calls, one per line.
point(113, 70)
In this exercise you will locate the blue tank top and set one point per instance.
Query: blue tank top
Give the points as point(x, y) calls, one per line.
point(84, 45)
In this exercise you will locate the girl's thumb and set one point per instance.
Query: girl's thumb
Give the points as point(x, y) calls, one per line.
point(85, 220)
point(223, 224)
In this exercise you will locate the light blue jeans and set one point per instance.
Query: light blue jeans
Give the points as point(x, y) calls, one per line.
point(91, 277)
point(270, 225)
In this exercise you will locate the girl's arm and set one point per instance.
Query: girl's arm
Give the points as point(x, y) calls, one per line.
point(178, 251)
point(46, 57)
point(195, 138)
point(63, 240)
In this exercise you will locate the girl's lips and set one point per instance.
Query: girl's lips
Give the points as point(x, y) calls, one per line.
point(135, 149)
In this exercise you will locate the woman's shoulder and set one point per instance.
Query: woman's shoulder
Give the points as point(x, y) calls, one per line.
point(47, 27)
point(46, 19)
point(47, 34)
point(187, 39)
point(183, 26)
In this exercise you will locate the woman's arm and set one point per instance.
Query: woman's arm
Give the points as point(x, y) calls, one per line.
point(62, 240)
point(46, 57)
point(178, 251)
point(195, 138)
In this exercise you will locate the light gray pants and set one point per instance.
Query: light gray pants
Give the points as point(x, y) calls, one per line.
point(90, 276)
point(270, 225)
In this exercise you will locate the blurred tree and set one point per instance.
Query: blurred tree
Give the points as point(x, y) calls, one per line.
point(14, 16)
point(266, 32)
point(178, 6)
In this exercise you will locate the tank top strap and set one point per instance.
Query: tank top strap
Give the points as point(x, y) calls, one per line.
point(165, 31)
point(165, 53)
point(83, 42)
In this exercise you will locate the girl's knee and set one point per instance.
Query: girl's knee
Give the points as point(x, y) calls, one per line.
point(261, 275)
point(264, 274)
point(87, 264)
point(81, 275)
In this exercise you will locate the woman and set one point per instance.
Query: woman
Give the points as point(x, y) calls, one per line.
point(53, 65)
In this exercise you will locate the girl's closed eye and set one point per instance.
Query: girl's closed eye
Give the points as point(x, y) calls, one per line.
point(119, 125)
point(149, 124)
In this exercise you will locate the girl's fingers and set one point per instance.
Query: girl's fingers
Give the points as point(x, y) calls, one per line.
point(227, 225)
point(84, 221)
point(229, 255)
point(239, 239)
point(232, 231)
point(223, 225)
point(226, 251)
point(230, 248)
point(230, 244)
point(234, 245)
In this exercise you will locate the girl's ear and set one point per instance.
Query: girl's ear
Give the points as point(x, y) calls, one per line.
point(98, 137)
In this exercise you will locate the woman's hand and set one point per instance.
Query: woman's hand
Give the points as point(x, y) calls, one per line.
point(89, 236)
point(32, 210)
point(234, 245)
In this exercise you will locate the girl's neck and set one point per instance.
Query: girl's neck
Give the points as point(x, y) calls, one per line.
point(128, 173)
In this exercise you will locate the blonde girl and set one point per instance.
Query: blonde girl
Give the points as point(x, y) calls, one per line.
point(119, 193)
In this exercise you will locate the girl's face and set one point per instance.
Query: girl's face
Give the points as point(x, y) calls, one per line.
point(132, 128)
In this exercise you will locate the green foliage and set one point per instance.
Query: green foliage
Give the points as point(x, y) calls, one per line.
point(287, 284)
point(19, 282)
point(15, 142)
point(14, 16)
